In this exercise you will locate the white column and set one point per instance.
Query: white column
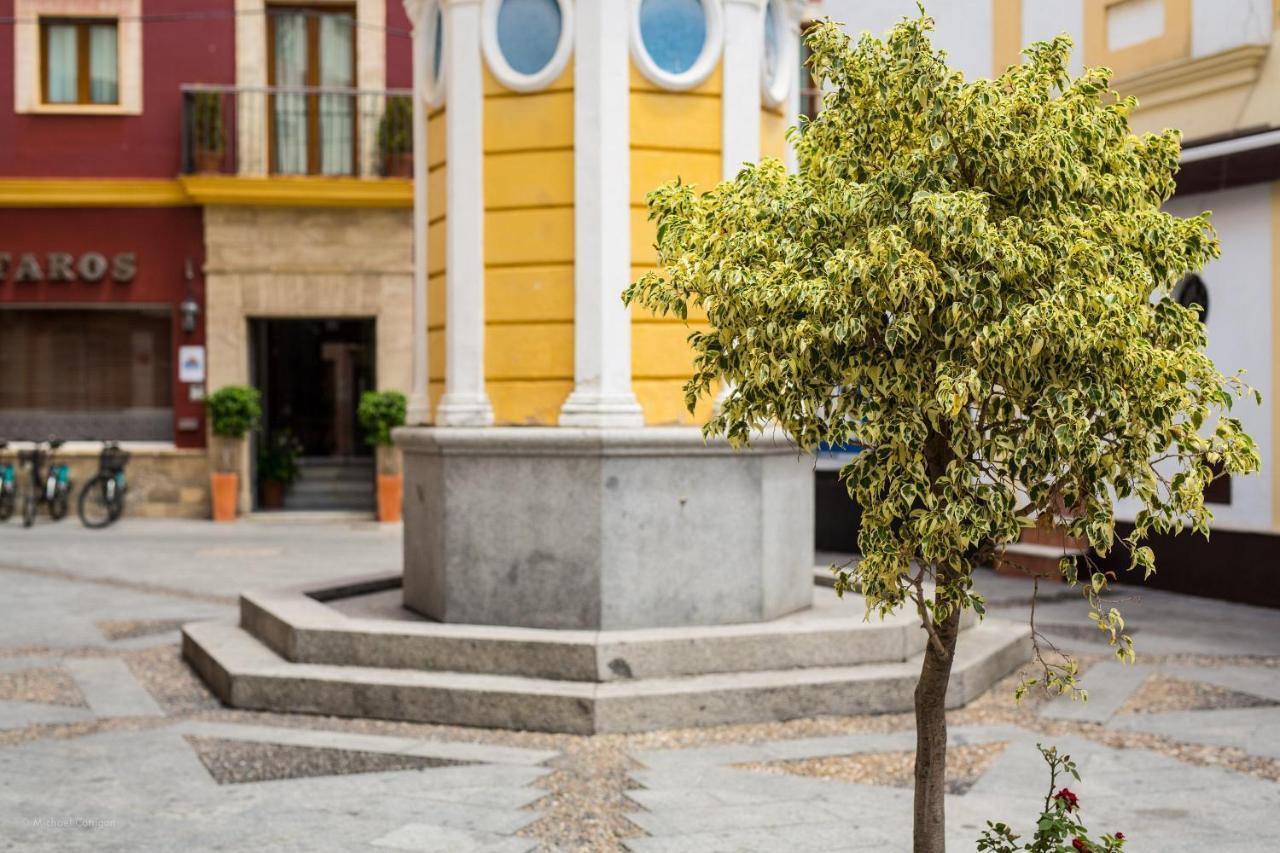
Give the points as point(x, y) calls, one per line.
point(465, 402)
point(419, 400)
point(602, 395)
point(740, 102)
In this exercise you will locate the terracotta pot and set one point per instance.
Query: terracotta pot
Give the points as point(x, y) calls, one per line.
point(399, 164)
point(208, 162)
point(226, 490)
point(272, 494)
point(390, 496)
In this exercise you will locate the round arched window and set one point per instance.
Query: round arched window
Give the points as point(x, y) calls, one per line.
point(780, 55)
point(676, 43)
point(434, 46)
point(528, 42)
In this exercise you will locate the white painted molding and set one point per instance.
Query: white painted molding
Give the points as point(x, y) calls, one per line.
point(602, 394)
point(740, 101)
point(794, 24)
point(511, 78)
point(419, 404)
point(701, 68)
point(777, 91)
point(465, 402)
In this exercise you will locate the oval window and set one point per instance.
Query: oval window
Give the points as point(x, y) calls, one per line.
point(434, 45)
point(527, 41)
point(676, 42)
point(780, 54)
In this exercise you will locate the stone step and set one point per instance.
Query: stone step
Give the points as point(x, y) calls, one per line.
point(327, 502)
point(308, 486)
point(245, 673)
point(319, 628)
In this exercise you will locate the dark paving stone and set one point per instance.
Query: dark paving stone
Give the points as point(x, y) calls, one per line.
point(233, 762)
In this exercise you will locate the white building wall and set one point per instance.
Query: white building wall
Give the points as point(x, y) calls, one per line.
point(964, 26)
point(1218, 25)
point(1239, 284)
point(1042, 20)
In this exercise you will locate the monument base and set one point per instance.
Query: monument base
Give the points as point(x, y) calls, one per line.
point(353, 650)
point(604, 529)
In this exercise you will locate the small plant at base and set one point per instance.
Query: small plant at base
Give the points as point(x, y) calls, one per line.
point(1060, 828)
point(206, 112)
point(278, 459)
point(379, 413)
point(233, 411)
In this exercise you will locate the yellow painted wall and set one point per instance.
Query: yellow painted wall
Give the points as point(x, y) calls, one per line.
point(773, 133)
point(673, 134)
point(528, 250)
point(437, 207)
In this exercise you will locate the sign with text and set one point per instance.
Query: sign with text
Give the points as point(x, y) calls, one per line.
point(34, 267)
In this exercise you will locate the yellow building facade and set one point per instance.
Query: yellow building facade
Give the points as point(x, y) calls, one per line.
point(547, 122)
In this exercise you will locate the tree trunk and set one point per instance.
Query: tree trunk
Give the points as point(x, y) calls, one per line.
point(930, 830)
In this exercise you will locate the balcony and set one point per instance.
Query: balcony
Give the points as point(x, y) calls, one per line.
point(297, 144)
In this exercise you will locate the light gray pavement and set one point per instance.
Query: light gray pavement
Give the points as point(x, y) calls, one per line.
point(104, 735)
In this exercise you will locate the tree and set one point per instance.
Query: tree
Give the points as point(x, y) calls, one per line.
point(971, 278)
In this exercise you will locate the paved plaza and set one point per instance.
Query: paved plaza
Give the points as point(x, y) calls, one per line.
point(108, 742)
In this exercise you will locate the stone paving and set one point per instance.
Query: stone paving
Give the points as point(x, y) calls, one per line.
point(108, 743)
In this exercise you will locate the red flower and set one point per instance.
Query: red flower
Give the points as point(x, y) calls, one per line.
point(1119, 836)
point(1079, 844)
point(1069, 800)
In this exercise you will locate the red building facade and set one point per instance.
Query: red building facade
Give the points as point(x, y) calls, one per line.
point(103, 296)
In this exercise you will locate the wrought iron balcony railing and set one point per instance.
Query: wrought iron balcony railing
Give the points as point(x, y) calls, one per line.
point(297, 130)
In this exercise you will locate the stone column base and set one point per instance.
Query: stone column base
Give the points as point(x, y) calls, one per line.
point(603, 528)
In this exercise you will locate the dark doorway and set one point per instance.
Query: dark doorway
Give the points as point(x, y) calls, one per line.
point(311, 373)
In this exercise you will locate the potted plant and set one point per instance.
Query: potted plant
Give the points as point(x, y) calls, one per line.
point(208, 141)
point(380, 412)
point(277, 468)
point(395, 137)
point(233, 411)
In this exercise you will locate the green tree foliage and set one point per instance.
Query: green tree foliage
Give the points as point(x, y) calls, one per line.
point(972, 279)
point(379, 413)
point(234, 410)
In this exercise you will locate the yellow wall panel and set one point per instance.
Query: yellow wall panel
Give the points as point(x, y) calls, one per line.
point(663, 403)
point(435, 390)
point(643, 236)
point(544, 120)
point(435, 138)
point(661, 351)
point(528, 403)
point(435, 355)
point(528, 179)
point(773, 134)
point(516, 294)
point(563, 83)
point(651, 169)
point(528, 236)
point(437, 295)
point(713, 85)
point(528, 351)
point(436, 258)
point(437, 193)
point(675, 120)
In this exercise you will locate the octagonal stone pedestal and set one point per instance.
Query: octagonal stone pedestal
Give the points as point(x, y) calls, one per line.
point(604, 529)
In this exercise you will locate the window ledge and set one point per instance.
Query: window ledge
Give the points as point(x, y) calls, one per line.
point(83, 110)
point(299, 191)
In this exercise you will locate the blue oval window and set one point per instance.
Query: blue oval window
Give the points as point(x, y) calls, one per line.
point(528, 33)
point(674, 33)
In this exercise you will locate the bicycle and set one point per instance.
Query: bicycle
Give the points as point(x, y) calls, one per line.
point(8, 486)
point(101, 500)
point(50, 482)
